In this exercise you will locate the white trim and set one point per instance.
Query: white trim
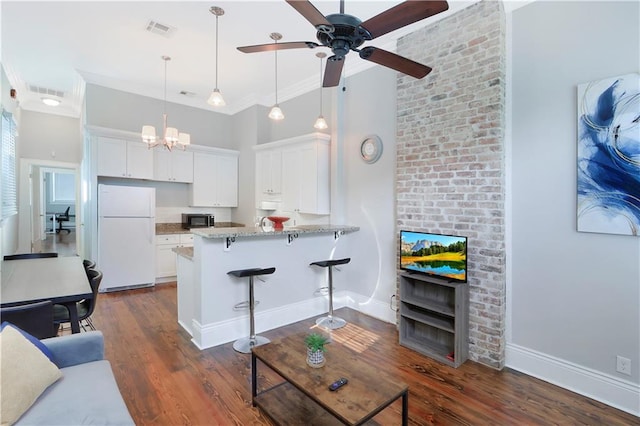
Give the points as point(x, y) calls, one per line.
point(311, 137)
point(213, 334)
point(618, 393)
point(134, 136)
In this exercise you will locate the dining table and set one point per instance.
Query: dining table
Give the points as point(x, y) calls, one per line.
point(62, 280)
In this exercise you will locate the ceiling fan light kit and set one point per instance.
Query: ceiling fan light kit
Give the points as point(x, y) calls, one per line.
point(276, 112)
point(170, 135)
point(342, 33)
point(320, 123)
point(216, 98)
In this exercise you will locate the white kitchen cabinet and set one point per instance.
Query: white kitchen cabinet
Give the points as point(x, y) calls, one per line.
point(124, 158)
point(173, 166)
point(305, 177)
point(215, 180)
point(268, 176)
point(165, 256)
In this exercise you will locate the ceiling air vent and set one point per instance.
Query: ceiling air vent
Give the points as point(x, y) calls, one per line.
point(45, 91)
point(160, 29)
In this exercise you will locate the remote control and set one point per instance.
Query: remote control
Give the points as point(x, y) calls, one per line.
point(337, 384)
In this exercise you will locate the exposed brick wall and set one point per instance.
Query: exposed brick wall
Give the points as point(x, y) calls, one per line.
point(450, 155)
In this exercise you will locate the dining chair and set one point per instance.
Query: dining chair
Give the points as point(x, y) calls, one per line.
point(88, 264)
point(34, 318)
point(85, 307)
point(21, 256)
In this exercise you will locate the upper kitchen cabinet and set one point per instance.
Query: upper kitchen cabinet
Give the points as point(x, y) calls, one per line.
point(124, 158)
point(215, 179)
point(173, 166)
point(305, 177)
point(268, 175)
point(301, 166)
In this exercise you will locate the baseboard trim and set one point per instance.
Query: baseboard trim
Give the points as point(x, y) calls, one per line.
point(369, 306)
point(213, 334)
point(618, 393)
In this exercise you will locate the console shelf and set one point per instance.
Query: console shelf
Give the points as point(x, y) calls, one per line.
point(434, 317)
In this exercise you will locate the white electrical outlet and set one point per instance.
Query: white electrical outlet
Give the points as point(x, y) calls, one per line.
point(623, 365)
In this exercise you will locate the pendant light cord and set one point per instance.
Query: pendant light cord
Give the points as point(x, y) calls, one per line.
point(217, 51)
point(276, 53)
point(165, 85)
point(320, 86)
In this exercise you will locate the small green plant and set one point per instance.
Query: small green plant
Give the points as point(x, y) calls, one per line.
point(316, 342)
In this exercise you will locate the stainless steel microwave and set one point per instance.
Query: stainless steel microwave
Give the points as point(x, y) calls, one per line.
point(197, 220)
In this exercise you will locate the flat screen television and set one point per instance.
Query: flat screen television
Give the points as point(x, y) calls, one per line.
point(438, 255)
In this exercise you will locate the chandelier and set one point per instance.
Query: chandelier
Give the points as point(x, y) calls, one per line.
point(170, 135)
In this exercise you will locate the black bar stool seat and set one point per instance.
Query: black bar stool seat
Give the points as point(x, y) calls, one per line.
point(245, 344)
point(332, 262)
point(330, 322)
point(251, 272)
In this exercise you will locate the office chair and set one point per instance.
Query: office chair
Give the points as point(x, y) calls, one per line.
point(62, 217)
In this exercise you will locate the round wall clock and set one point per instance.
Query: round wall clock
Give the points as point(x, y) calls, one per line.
point(371, 149)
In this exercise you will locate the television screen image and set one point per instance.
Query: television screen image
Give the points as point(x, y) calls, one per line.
point(443, 256)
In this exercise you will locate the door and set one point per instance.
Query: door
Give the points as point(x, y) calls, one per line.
point(126, 201)
point(126, 253)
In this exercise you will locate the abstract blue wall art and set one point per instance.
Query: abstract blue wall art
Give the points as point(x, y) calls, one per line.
point(609, 156)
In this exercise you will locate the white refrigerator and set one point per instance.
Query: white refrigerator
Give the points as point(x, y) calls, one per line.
point(126, 236)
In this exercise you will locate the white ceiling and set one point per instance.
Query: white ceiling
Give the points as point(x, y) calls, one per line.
point(63, 45)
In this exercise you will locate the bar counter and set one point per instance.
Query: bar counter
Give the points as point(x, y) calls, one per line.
point(208, 297)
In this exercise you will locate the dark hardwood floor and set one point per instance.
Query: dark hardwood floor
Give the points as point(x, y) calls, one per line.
point(166, 380)
point(63, 243)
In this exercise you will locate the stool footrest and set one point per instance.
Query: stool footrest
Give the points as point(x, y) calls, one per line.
point(244, 305)
point(322, 291)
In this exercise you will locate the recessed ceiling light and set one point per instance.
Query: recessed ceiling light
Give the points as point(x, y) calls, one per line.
point(50, 102)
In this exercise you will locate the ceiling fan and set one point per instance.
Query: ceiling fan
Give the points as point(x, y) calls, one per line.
point(342, 32)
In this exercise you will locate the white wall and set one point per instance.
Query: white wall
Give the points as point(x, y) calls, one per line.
point(574, 297)
point(115, 109)
point(369, 190)
point(50, 137)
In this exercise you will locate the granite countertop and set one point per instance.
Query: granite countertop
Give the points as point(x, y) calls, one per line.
point(186, 252)
point(252, 232)
point(176, 228)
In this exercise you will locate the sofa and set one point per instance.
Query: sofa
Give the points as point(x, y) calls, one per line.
point(86, 393)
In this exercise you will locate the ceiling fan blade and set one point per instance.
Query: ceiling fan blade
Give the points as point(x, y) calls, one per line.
point(333, 71)
point(396, 62)
point(401, 15)
point(278, 46)
point(311, 14)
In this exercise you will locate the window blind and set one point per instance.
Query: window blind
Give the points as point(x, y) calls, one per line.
point(9, 192)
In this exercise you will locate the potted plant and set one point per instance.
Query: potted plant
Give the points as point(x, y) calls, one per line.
point(315, 349)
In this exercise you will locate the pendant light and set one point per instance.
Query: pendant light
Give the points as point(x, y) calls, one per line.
point(170, 135)
point(321, 123)
point(276, 112)
point(216, 98)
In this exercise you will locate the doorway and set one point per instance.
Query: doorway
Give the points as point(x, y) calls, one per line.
point(45, 188)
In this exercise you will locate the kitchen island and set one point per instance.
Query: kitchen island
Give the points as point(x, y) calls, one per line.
point(208, 297)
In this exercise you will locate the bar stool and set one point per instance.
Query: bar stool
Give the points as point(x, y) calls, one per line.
point(330, 321)
point(245, 344)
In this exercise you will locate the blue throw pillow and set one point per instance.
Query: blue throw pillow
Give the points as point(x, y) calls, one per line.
point(38, 344)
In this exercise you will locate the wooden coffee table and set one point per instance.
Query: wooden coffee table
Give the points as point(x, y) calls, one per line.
point(305, 398)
